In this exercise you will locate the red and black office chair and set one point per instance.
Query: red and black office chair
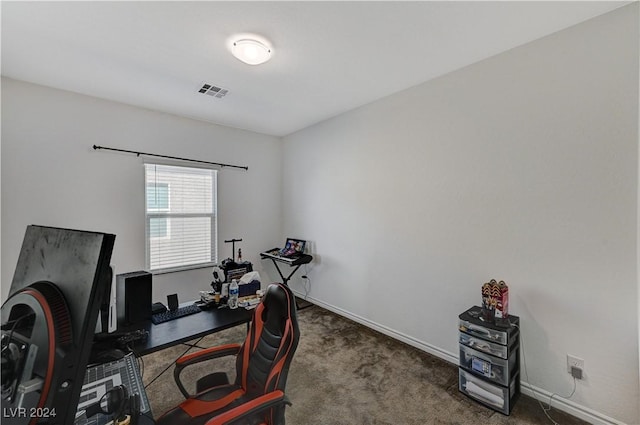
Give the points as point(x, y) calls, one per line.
point(262, 364)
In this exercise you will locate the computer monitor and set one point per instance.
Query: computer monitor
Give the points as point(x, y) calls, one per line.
point(49, 320)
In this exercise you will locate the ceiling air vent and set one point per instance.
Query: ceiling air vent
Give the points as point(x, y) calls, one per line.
point(212, 90)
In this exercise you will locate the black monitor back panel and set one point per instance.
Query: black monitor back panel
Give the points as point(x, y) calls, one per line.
point(77, 262)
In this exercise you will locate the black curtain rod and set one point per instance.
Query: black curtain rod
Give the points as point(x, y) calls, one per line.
point(96, 147)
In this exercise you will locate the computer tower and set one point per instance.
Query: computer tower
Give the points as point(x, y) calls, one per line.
point(134, 297)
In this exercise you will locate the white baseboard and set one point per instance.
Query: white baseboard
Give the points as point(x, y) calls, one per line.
point(431, 349)
point(558, 403)
point(567, 406)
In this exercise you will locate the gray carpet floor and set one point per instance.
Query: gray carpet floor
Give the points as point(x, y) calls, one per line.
point(346, 374)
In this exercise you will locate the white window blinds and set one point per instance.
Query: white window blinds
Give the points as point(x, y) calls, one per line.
point(181, 223)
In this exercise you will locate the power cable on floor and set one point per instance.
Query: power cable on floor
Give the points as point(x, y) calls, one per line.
point(547, 409)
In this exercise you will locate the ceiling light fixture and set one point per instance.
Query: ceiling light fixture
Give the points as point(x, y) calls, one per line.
point(251, 51)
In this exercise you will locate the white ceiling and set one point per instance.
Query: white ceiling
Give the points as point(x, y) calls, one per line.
point(329, 57)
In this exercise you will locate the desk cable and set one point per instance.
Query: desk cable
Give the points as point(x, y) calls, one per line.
point(306, 282)
point(547, 409)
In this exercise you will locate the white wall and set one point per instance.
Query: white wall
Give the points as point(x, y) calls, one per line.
point(52, 176)
point(638, 209)
point(522, 167)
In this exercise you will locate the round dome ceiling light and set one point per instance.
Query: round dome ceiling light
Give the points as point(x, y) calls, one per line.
point(250, 51)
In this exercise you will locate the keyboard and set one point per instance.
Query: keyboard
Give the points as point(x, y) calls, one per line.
point(293, 260)
point(174, 314)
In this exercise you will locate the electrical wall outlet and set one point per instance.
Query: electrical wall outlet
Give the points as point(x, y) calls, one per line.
point(573, 361)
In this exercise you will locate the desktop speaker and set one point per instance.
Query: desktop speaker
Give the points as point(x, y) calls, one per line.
point(134, 297)
point(172, 301)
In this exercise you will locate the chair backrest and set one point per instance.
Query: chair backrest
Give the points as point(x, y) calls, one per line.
point(262, 364)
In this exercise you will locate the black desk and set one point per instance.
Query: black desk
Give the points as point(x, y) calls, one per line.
point(186, 328)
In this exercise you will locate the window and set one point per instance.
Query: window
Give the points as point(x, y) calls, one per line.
point(181, 219)
point(158, 201)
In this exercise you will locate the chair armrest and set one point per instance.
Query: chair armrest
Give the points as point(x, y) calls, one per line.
point(200, 356)
point(208, 353)
point(266, 401)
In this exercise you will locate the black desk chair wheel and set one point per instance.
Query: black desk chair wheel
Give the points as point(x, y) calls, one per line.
point(262, 364)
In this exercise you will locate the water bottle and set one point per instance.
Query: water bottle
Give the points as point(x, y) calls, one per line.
point(233, 294)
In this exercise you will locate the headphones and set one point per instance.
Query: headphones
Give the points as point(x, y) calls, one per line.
point(125, 408)
point(218, 275)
